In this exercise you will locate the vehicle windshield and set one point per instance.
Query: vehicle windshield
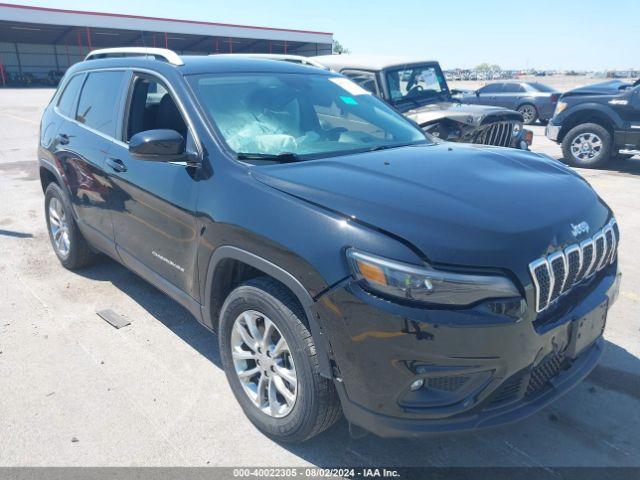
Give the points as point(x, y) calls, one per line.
point(417, 84)
point(289, 117)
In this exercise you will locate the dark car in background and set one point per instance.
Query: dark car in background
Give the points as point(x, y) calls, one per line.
point(597, 122)
point(418, 89)
point(534, 100)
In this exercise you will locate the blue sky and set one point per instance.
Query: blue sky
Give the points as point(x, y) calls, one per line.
point(560, 34)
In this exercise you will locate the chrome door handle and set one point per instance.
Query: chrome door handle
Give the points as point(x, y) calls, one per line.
point(116, 164)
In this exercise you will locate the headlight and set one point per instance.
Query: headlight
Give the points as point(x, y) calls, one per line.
point(424, 284)
point(560, 107)
point(517, 128)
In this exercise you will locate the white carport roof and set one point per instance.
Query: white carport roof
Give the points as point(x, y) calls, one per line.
point(55, 16)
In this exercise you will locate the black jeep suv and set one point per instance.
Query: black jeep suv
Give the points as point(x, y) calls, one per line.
point(597, 122)
point(348, 262)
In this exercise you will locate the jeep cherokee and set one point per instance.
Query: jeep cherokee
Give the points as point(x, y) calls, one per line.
point(348, 262)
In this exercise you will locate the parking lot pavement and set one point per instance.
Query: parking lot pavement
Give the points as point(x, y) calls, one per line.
point(76, 391)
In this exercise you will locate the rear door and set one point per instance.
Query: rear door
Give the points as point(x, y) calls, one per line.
point(84, 139)
point(511, 96)
point(153, 203)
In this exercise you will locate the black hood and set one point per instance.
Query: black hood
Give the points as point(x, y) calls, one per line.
point(457, 204)
point(612, 87)
point(463, 113)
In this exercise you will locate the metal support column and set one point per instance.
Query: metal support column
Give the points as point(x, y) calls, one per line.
point(15, 46)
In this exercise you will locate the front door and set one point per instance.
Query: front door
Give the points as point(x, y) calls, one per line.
point(153, 203)
point(632, 138)
point(488, 95)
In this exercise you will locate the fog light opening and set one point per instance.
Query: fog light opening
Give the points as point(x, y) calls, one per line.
point(416, 384)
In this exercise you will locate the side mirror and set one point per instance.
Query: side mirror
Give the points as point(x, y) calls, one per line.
point(158, 145)
point(477, 93)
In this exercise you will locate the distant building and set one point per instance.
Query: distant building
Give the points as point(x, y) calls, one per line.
point(38, 44)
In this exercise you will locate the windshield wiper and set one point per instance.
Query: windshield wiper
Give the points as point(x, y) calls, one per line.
point(393, 145)
point(284, 157)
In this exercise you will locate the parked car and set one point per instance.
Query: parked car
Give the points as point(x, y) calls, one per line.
point(534, 100)
point(347, 261)
point(418, 89)
point(597, 122)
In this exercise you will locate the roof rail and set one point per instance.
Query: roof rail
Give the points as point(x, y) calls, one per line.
point(161, 53)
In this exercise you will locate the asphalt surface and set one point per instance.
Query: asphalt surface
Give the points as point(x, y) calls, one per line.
point(75, 391)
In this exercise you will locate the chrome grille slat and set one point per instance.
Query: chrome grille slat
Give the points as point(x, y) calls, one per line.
point(496, 133)
point(557, 273)
point(492, 134)
point(558, 265)
point(503, 129)
point(614, 247)
point(588, 257)
point(601, 247)
point(506, 135)
point(574, 264)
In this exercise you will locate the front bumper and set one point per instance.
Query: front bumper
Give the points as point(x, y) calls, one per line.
point(552, 132)
point(380, 348)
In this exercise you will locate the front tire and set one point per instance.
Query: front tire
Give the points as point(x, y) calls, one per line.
point(270, 361)
point(587, 146)
point(67, 241)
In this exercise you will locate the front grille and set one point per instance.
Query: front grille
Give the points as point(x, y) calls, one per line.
point(508, 391)
point(449, 383)
point(556, 274)
point(544, 373)
point(496, 133)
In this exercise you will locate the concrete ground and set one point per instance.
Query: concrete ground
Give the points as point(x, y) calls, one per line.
point(76, 391)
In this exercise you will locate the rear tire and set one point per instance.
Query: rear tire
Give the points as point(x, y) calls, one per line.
point(587, 146)
point(67, 241)
point(314, 405)
point(529, 113)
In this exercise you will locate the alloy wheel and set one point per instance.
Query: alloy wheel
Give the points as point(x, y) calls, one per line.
point(586, 146)
point(264, 364)
point(528, 113)
point(59, 227)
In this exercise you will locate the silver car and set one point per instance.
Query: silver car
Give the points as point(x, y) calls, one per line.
point(534, 100)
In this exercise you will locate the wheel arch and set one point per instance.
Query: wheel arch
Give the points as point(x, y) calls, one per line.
point(526, 101)
point(49, 174)
point(588, 115)
point(230, 266)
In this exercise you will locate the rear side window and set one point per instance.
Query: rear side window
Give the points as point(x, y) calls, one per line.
point(541, 87)
point(68, 98)
point(513, 88)
point(98, 101)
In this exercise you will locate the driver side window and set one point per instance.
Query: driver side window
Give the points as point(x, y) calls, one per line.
point(491, 88)
point(151, 108)
point(366, 80)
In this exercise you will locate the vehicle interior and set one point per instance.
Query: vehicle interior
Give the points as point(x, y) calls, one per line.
point(276, 114)
point(152, 108)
